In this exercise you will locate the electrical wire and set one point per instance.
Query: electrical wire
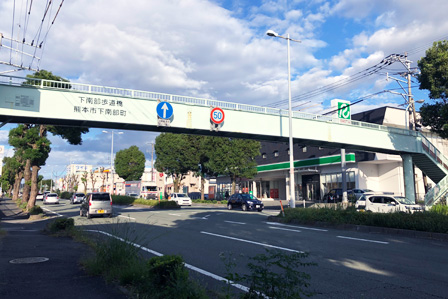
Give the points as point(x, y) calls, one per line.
point(373, 70)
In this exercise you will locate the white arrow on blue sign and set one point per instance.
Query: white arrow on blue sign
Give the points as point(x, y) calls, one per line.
point(164, 110)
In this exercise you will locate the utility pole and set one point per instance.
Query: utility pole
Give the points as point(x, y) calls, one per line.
point(152, 159)
point(409, 100)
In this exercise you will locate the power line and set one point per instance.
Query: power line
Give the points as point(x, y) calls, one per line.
point(373, 70)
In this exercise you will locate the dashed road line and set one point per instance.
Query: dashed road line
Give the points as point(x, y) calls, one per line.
point(363, 240)
point(293, 226)
point(252, 242)
point(286, 229)
point(234, 222)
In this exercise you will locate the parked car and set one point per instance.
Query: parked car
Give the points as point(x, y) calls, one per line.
point(383, 203)
point(40, 196)
point(96, 204)
point(182, 199)
point(197, 195)
point(245, 202)
point(359, 192)
point(77, 197)
point(51, 198)
point(335, 195)
point(132, 194)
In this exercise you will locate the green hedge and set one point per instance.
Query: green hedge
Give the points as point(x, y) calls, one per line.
point(430, 221)
point(65, 195)
point(129, 200)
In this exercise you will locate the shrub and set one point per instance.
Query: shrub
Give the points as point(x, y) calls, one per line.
point(274, 274)
point(422, 221)
point(36, 210)
point(61, 224)
point(167, 204)
point(65, 195)
point(122, 199)
point(440, 209)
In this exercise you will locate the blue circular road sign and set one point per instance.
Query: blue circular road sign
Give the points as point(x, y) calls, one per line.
point(164, 110)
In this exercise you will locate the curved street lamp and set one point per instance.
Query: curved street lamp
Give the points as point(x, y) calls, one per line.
point(292, 198)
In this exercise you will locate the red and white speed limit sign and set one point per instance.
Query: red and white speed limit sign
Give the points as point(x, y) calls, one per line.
point(217, 115)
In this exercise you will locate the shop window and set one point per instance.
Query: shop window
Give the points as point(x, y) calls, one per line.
point(304, 149)
point(263, 155)
point(276, 154)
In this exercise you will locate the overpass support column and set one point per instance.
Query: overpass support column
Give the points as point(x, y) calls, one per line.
point(408, 173)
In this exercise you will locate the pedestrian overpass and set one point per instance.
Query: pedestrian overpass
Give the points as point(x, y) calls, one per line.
point(27, 100)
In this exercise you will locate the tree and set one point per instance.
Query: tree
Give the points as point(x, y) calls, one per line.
point(175, 156)
point(234, 158)
point(93, 179)
point(9, 170)
point(84, 178)
point(130, 163)
point(433, 77)
point(37, 147)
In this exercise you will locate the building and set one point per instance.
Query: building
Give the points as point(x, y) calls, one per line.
point(318, 169)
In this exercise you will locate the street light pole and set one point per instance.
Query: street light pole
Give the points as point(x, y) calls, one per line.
point(112, 159)
point(292, 198)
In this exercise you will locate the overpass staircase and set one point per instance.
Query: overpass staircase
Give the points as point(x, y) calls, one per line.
point(435, 165)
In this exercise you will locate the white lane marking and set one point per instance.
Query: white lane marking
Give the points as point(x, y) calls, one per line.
point(126, 217)
point(287, 229)
point(50, 211)
point(234, 222)
point(204, 272)
point(175, 215)
point(293, 226)
point(364, 240)
point(251, 242)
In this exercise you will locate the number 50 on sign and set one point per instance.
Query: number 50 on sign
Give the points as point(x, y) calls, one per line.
point(217, 115)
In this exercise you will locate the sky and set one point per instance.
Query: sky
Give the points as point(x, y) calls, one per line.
point(218, 50)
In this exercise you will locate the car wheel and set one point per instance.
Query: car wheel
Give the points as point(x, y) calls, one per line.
point(88, 215)
point(110, 215)
point(259, 210)
point(229, 207)
point(244, 207)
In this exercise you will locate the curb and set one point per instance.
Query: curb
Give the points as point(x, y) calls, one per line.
point(370, 229)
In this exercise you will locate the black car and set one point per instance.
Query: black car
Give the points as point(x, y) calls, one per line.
point(245, 202)
point(335, 195)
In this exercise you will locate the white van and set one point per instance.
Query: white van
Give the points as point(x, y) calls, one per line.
point(383, 203)
point(182, 199)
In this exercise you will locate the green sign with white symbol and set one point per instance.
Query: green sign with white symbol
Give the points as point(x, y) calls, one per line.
point(344, 110)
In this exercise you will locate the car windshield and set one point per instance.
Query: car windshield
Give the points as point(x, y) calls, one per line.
point(404, 200)
point(248, 196)
point(181, 195)
point(79, 194)
point(52, 195)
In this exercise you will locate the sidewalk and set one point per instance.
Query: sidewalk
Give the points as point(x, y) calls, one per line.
point(45, 266)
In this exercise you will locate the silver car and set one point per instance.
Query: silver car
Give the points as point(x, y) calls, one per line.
point(77, 197)
point(96, 204)
point(51, 198)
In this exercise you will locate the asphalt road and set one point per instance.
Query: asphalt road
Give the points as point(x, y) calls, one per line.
point(350, 264)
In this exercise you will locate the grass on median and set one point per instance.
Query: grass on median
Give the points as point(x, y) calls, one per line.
point(429, 221)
